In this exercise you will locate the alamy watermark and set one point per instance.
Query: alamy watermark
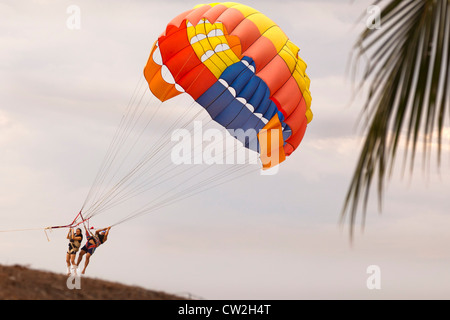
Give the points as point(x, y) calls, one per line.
point(73, 21)
point(374, 19)
point(374, 280)
point(212, 146)
point(73, 281)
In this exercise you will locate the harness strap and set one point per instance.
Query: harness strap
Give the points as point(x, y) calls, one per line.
point(72, 225)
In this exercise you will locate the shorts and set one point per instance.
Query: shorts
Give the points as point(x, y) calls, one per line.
point(89, 250)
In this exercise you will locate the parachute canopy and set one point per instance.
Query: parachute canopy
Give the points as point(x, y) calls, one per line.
point(227, 59)
point(242, 68)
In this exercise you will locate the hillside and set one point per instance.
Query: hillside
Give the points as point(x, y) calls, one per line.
point(22, 283)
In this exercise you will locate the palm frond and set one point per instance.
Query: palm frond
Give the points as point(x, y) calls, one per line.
point(407, 77)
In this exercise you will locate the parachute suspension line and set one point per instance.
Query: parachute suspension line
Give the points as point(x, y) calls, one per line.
point(197, 188)
point(165, 170)
point(84, 224)
point(201, 186)
point(141, 164)
point(71, 225)
point(182, 195)
point(102, 171)
point(172, 198)
point(153, 182)
point(118, 168)
point(139, 189)
point(136, 140)
point(155, 150)
point(116, 146)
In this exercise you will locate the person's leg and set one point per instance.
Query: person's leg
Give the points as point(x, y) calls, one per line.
point(80, 256)
point(73, 266)
point(68, 262)
point(86, 262)
point(72, 258)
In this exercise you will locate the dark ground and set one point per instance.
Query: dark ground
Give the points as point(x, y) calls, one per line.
point(22, 283)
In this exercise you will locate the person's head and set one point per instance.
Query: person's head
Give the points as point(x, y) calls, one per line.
point(101, 236)
point(78, 231)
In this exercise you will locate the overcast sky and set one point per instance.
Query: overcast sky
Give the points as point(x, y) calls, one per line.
point(62, 94)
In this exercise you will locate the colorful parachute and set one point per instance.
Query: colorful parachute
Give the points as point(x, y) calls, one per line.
point(244, 71)
point(242, 68)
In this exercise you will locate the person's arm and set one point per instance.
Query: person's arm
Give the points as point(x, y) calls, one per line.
point(88, 234)
point(70, 234)
point(106, 233)
point(101, 230)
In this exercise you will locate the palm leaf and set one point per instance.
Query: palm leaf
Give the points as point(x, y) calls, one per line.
point(407, 77)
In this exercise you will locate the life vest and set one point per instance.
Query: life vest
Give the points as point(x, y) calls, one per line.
point(76, 243)
point(96, 241)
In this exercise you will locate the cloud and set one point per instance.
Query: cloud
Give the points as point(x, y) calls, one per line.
point(12, 132)
point(63, 93)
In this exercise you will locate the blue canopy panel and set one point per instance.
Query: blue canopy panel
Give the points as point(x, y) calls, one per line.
point(241, 100)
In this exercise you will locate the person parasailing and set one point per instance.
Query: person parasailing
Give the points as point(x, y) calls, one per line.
point(74, 245)
point(92, 243)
